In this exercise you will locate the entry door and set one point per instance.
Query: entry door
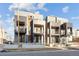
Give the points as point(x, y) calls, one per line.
point(37, 39)
point(22, 38)
point(57, 39)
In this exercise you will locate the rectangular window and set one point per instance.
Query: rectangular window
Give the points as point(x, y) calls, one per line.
point(20, 23)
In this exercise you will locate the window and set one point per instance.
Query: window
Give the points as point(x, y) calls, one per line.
point(36, 29)
point(22, 20)
point(56, 31)
point(20, 23)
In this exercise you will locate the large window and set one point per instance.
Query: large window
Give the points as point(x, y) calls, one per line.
point(37, 29)
point(20, 23)
point(21, 20)
point(56, 31)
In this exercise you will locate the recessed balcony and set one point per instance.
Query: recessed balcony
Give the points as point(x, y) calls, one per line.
point(54, 32)
point(21, 29)
point(55, 24)
point(62, 32)
point(38, 31)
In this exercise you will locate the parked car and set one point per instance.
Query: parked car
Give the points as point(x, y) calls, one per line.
point(8, 42)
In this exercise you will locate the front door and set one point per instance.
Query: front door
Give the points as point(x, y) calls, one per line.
point(57, 39)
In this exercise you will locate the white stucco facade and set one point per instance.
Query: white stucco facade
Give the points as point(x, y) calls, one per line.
point(2, 35)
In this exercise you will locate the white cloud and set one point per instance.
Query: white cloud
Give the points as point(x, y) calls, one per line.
point(37, 12)
point(65, 9)
point(45, 9)
point(13, 6)
point(77, 17)
point(8, 15)
point(2, 23)
point(0, 16)
point(42, 6)
point(28, 6)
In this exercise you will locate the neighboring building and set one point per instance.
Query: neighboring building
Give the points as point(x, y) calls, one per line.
point(75, 35)
point(3, 37)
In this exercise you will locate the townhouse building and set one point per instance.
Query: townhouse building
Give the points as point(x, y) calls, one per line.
point(34, 28)
point(31, 27)
point(52, 30)
point(38, 29)
point(58, 30)
point(22, 26)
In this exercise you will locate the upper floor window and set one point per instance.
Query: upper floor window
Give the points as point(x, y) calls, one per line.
point(20, 23)
point(37, 30)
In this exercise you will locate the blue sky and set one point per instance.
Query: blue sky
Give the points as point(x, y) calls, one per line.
point(66, 10)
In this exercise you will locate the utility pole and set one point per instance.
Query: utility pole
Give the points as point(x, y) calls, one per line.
point(18, 30)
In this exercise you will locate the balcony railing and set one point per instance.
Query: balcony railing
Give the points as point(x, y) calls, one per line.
point(39, 31)
point(55, 24)
point(62, 32)
point(22, 29)
point(53, 31)
point(56, 33)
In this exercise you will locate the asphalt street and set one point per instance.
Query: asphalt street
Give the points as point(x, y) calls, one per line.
point(42, 53)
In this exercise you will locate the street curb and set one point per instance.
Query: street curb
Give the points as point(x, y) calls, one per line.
point(32, 49)
point(73, 48)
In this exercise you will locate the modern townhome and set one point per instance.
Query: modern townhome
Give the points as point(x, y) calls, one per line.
point(22, 26)
point(57, 30)
point(38, 29)
point(31, 27)
point(52, 30)
point(34, 28)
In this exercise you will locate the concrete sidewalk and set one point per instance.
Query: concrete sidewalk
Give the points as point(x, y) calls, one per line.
point(27, 45)
point(38, 47)
point(32, 49)
point(74, 45)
